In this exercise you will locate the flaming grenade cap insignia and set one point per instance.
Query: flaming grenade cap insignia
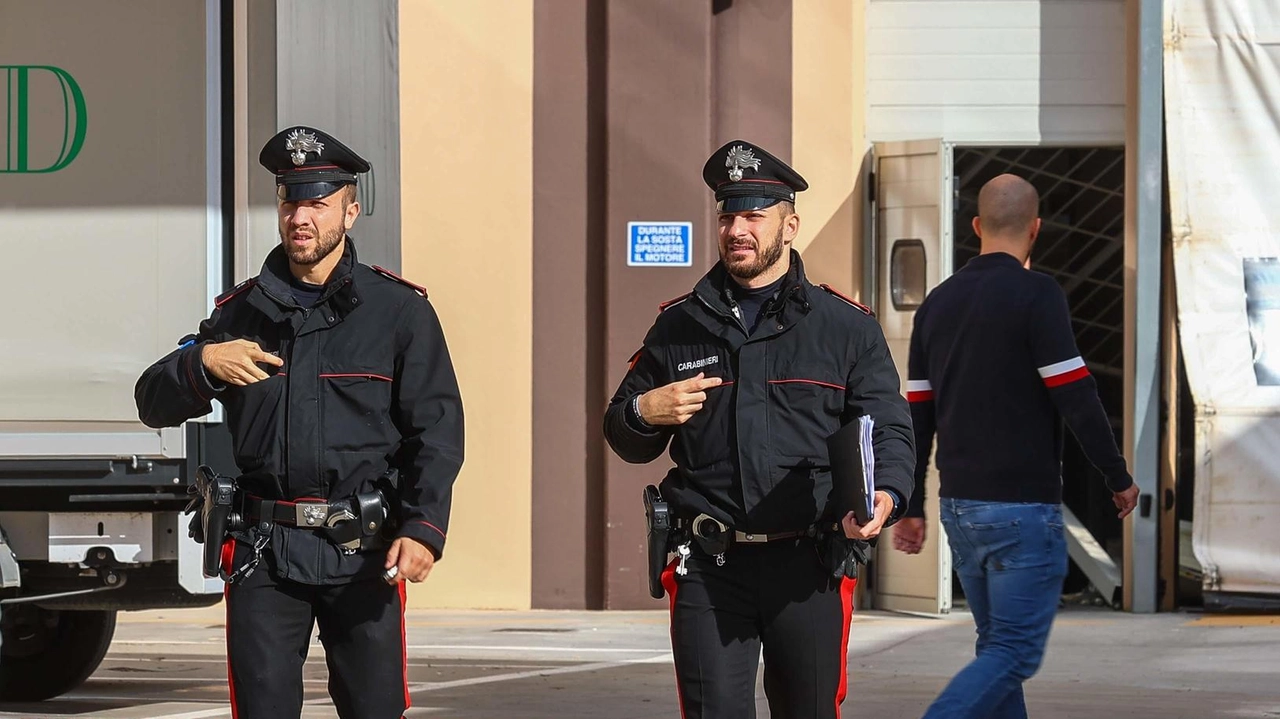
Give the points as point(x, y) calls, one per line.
point(300, 142)
point(741, 158)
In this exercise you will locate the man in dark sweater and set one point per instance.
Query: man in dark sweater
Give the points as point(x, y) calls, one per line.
point(993, 367)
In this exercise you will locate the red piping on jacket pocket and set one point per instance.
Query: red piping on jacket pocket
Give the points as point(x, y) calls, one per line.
point(358, 374)
point(807, 381)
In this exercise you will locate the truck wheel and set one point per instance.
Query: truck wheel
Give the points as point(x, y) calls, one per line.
point(46, 652)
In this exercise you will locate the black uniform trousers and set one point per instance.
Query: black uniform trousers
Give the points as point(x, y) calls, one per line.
point(269, 623)
point(777, 594)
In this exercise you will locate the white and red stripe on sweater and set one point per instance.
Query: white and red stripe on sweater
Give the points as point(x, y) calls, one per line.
point(1065, 372)
point(919, 390)
point(1054, 375)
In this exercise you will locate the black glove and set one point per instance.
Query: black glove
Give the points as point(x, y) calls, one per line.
point(195, 528)
point(841, 555)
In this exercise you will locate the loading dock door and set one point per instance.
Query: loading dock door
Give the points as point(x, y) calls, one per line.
point(912, 230)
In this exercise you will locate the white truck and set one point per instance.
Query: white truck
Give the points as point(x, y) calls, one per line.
point(112, 233)
point(130, 197)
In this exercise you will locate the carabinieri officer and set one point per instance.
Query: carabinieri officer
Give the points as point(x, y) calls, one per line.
point(745, 378)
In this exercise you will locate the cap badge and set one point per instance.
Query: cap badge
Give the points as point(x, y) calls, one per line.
point(741, 158)
point(300, 142)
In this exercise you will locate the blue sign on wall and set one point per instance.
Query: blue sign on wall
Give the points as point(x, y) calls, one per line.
point(660, 244)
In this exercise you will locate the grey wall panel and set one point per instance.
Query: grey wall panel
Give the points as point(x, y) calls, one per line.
point(257, 220)
point(338, 69)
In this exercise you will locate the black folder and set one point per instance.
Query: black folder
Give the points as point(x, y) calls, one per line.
point(852, 470)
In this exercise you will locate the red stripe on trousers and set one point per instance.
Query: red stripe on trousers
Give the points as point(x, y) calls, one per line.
point(847, 586)
point(1066, 377)
point(404, 644)
point(228, 557)
point(669, 583)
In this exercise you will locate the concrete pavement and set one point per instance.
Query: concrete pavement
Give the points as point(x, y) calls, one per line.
point(534, 665)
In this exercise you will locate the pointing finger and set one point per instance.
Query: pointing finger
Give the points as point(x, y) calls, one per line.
point(686, 385)
point(708, 382)
point(257, 355)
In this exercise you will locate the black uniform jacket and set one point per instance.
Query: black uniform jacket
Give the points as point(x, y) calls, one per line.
point(755, 455)
point(367, 383)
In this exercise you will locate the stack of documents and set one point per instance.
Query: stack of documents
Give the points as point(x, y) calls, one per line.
point(865, 424)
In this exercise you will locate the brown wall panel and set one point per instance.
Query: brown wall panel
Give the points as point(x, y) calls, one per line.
point(681, 81)
point(752, 75)
point(659, 117)
point(568, 313)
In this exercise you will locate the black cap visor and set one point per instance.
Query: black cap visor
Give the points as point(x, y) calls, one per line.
point(745, 204)
point(299, 191)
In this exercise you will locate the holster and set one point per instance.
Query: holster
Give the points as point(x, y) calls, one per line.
point(358, 523)
point(657, 514)
point(841, 555)
point(712, 535)
point(369, 519)
point(214, 518)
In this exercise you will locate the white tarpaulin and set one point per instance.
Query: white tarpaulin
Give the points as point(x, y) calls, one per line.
point(1222, 95)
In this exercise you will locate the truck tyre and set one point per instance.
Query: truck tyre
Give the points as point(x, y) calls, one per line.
point(46, 652)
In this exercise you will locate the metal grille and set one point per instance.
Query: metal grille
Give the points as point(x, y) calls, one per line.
point(1081, 241)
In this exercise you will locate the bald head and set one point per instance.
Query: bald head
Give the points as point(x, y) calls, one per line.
point(1007, 208)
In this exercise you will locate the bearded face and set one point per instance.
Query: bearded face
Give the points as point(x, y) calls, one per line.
point(752, 242)
point(311, 230)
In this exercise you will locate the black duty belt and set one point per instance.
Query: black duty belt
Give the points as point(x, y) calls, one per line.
point(353, 524)
point(705, 525)
point(757, 538)
point(305, 513)
point(714, 536)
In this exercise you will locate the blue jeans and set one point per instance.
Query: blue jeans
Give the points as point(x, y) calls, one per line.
point(1011, 558)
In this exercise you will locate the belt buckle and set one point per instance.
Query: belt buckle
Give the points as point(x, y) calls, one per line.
point(749, 537)
point(311, 514)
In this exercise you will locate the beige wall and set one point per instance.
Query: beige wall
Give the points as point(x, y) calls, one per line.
point(829, 142)
point(828, 137)
point(466, 116)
